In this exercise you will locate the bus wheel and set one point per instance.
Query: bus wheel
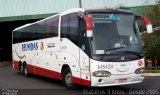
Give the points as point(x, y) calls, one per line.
point(67, 79)
point(25, 72)
point(21, 69)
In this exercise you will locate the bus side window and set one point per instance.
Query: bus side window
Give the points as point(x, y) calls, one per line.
point(69, 27)
point(55, 24)
point(52, 27)
point(65, 27)
point(39, 30)
point(74, 28)
point(16, 36)
point(82, 27)
point(48, 26)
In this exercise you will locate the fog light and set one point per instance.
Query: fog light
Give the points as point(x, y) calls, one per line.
point(100, 80)
point(101, 74)
point(139, 71)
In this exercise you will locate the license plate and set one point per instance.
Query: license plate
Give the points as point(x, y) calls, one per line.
point(122, 80)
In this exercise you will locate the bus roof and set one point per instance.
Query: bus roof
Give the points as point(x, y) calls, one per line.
point(77, 10)
point(62, 13)
point(108, 10)
point(28, 24)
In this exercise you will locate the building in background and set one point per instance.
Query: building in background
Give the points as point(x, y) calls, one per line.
point(33, 9)
point(14, 13)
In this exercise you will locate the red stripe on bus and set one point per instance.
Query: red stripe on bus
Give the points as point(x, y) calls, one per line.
point(81, 81)
point(49, 73)
point(43, 72)
point(31, 68)
point(38, 70)
point(15, 65)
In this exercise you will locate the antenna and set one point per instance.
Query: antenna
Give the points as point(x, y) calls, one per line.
point(80, 4)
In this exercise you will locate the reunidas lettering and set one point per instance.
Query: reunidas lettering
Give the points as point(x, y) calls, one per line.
point(30, 46)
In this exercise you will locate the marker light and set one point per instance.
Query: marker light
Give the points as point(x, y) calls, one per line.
point(115, 18)
point(140, 63)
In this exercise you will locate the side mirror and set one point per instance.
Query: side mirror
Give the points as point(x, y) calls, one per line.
point(89, 26)
point(89, 23)
point(147, 22)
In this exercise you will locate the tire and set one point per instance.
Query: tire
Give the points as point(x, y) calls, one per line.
point(25, 70)
point(67, 79)
point(21, 68)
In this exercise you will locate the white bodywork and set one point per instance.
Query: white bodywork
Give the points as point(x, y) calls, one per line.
point(56, 51)
point(119, 70)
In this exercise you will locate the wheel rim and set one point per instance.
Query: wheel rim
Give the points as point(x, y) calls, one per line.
point(68, 79)
point(21, 68)
point(25, 71)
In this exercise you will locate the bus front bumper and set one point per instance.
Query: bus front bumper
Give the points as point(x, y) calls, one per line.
point(116, 80)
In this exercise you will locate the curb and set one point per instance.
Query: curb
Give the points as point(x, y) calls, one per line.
point(2, 64)
point(152, 74)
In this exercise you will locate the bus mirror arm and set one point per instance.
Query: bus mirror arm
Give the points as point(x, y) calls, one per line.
point(147, 22)
point(89, 23)
point(81, 15)
point(89, 26)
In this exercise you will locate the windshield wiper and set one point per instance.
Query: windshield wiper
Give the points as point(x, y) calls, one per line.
point(114, 48)
point(130, 52)
point(134, 53)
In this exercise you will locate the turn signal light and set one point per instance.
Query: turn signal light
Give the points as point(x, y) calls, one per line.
point(140, 63)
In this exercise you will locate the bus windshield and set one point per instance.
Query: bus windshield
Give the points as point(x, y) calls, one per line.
point(115, 34)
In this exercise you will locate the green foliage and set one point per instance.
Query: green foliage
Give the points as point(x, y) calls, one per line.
point(152, 41)
point(151, 71)
point(123, 7)
point(152, 46)
point(154, 14)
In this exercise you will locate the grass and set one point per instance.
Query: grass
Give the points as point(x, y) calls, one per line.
point(152, 71)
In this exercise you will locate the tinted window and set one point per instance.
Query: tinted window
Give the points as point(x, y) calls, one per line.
point(69, 27)
point(39, 30)
point(43, 29)
point(52, 27)
point(83, 40)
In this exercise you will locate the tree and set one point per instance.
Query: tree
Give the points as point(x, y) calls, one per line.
point(154, 14)
point(152, 41)
point(152, 47)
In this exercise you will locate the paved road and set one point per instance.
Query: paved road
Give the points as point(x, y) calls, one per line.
point(13, 82)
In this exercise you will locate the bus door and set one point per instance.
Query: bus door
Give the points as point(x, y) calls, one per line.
point(84, 53)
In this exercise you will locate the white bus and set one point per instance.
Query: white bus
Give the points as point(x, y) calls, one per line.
point(94, 47)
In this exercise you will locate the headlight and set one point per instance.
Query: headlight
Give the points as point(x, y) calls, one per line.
point(101, 74)
point(139, 71)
